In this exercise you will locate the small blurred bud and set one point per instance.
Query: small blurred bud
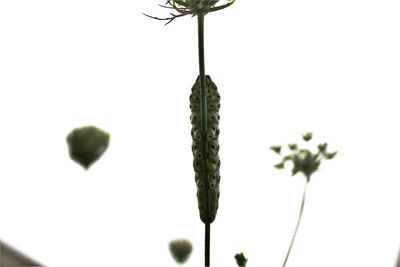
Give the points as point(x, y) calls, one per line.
point(180, 249)
point(292, 146)
point(322, 147)
point(279, 165)
point(87, 144)
point(277, 149)
point(286, 158)
point(240, 259)
point(330, 155)
point(307, 136)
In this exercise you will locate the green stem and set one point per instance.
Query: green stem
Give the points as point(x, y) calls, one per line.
point(207, 245)
point(200, 20)
point(298, 223)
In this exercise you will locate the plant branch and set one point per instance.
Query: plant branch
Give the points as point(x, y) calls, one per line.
point(207, 245)
point(170, 19)
point(298, 223)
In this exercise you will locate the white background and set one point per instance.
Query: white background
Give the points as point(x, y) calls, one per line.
point(282, 68)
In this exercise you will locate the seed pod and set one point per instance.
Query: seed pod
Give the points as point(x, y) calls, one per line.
point(206, 182)
point(240, 259)
point(180, 249)
point(87, 144)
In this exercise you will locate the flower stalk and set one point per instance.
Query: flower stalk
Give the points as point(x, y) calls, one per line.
point(307, 163)
point(204, 104)
point(297, 225)
point(207, 237)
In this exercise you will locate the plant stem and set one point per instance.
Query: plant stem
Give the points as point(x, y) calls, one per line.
point(200, 20)
point(207, 245)
point(298, 223)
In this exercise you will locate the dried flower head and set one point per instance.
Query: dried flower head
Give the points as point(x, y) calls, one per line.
point(191, 7)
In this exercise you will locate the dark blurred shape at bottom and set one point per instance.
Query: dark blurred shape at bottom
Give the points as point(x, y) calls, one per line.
point(10, 257)
point(241, 260)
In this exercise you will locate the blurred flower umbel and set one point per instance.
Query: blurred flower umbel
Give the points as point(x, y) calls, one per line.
point(304, 161)
point(191, 7)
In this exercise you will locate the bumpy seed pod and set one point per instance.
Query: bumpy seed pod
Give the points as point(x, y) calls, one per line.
point(212, 147)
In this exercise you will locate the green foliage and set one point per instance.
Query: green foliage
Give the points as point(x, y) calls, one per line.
point(304, 161)
point(180, 249)
point(87, 144)
point(240, 259)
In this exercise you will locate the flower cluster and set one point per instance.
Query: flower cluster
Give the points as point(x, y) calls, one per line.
point(304, 161)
